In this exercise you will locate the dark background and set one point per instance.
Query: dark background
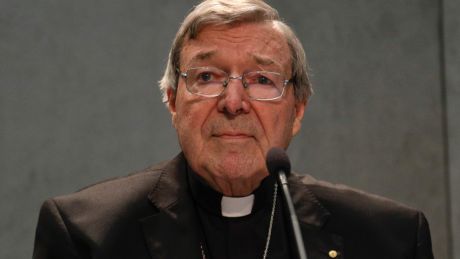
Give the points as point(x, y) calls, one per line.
point(79, 101)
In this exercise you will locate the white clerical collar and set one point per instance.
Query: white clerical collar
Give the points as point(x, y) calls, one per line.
point(233, 207)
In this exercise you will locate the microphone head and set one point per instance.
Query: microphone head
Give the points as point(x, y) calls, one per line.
point(277, 160)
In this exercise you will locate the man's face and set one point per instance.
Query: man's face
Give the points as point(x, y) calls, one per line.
point(225, 138)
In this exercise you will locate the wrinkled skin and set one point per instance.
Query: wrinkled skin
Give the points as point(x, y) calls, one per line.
point(225, 138)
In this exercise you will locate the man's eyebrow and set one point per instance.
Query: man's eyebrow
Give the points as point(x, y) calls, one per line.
point(202, 55)
point(262, 60)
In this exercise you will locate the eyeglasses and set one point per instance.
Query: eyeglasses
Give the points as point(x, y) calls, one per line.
point(211, 82)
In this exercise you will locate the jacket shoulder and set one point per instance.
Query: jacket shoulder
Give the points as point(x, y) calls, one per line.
point(112, 192)
point(339, 198)
point(102, 220)
point(367, 219)
point(113, 205)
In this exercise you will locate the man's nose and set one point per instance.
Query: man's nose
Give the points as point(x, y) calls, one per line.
point(234, 100)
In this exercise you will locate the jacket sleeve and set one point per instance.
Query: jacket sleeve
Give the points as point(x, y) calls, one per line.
point(423, 248)
point(52, 238)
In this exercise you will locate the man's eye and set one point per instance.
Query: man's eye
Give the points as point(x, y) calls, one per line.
point(264, 80)
point(205, 76)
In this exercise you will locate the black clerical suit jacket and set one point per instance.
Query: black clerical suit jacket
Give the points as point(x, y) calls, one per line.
point(150, 214)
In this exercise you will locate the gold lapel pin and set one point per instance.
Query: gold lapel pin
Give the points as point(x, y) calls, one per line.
point(333, 254)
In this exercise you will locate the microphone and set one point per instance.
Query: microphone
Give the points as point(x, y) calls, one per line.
point(278, 165)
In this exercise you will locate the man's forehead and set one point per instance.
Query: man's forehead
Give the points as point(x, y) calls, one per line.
point(263, 43)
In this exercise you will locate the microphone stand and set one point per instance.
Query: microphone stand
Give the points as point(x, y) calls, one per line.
point(282, 181)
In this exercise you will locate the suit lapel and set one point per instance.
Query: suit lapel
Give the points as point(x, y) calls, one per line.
point(174, 231)
point(312, 219)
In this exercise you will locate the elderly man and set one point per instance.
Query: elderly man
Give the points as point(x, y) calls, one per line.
point(236, 85)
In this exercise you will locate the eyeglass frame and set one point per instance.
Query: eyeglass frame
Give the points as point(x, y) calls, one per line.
point(229, 77)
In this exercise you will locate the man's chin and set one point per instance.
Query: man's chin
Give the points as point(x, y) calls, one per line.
point(234, 146)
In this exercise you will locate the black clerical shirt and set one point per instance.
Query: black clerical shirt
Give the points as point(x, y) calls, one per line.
point(240, 237)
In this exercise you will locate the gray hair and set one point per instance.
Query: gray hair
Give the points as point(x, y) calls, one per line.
point(227, 12)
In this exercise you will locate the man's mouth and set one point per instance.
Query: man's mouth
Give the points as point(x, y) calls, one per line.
point(232, 135)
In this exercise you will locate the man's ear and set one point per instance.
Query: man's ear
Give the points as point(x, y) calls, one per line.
point(299, 111)
point(171, 93)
